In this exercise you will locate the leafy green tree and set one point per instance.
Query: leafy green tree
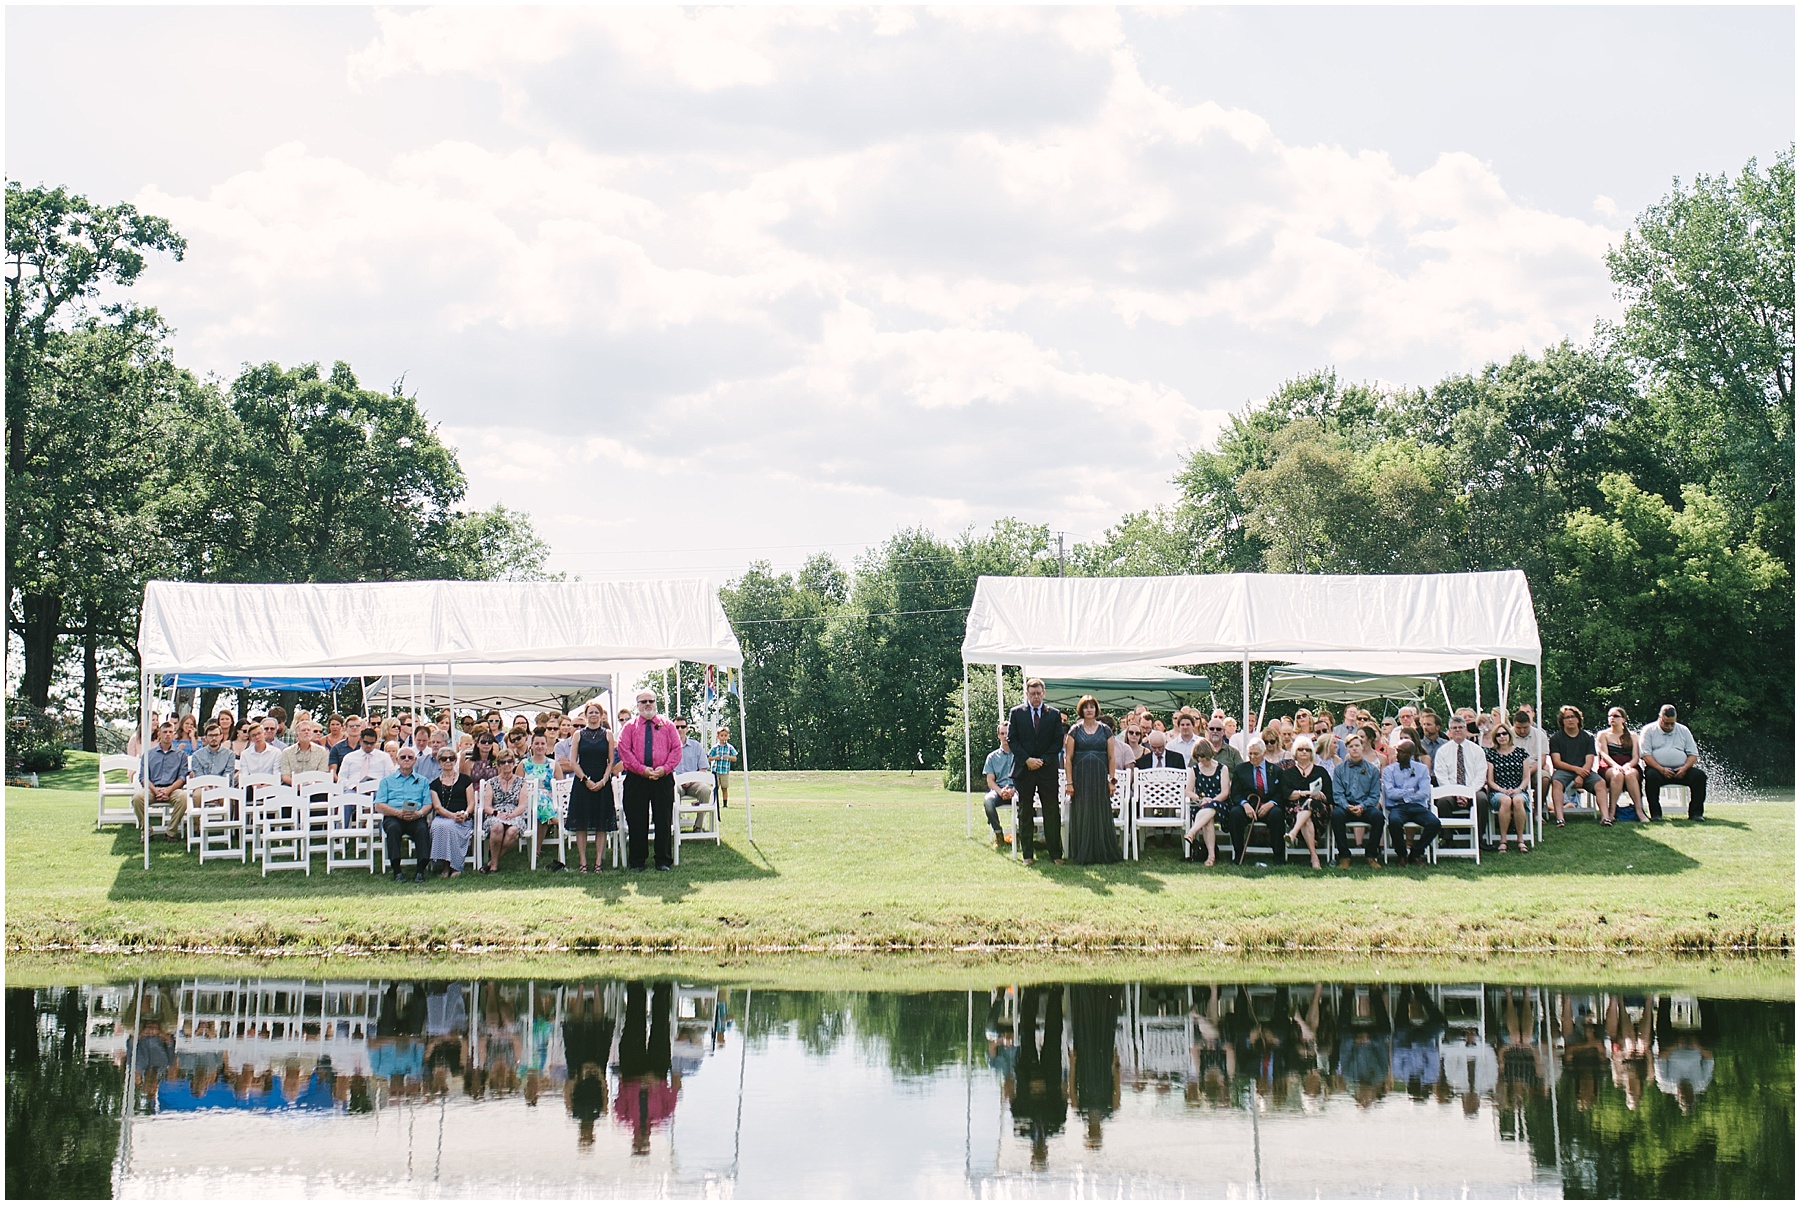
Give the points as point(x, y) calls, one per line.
point(62, 251)
point(62, 1108)
point(1667, 605)
point(1707, 278)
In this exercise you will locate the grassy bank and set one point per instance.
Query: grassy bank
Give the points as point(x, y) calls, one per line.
point(850, 863)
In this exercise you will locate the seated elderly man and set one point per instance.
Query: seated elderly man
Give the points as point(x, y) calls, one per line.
point(1157, 755)
point(1356, 800)
point(403, 800)
point(165, 773)
point(693, 761)
point(1255, 800)
point(305, 755)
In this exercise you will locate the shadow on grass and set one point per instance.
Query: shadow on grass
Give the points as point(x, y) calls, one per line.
point(1625, 849)
point(174, 874)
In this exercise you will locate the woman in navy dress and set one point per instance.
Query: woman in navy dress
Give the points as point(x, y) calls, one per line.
point(1087, 756)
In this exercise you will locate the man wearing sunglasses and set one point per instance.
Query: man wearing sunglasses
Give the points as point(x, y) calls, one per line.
point(404, 800)
point(363, 763)
point(650, 749)
point(1227, 753)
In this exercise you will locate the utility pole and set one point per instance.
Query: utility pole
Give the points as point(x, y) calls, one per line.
point(1059, 554)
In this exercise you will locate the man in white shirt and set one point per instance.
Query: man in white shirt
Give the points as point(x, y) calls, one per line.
point(364, 763)
point(1239, 740)
point(1670, 757)
point(1183, 740)
point(259, 756)
point(1461, 763)
point(693, 760)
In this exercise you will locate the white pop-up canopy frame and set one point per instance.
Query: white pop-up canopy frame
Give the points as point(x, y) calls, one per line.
point(1320, 619)
point(356, 629)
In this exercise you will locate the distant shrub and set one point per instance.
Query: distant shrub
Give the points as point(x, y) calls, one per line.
point(34, 739)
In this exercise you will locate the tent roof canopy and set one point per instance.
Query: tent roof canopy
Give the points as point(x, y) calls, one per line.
point(1316, 618)
point(354, 628)
point(539, 684)
point(1343, 686)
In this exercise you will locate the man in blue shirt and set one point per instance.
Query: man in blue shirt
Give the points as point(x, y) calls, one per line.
point(693, 761)
point(999, 771)
point(165, 770)
point(403, 800)
point(1356, 799)
point(1406, 792)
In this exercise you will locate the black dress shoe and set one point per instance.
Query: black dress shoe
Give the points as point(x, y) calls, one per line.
point(418, 876)
point(399, 876)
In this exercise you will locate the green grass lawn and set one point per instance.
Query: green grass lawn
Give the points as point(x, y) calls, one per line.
point(867, 862)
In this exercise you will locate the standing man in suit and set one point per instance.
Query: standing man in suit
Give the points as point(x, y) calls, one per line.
point(1159, 756)
point(1035, 732)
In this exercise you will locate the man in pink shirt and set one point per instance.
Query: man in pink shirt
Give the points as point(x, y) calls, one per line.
point(651, 749)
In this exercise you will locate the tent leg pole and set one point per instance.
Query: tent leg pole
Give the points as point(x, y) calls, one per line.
point(968, 786)
point(1478, 688)
point(143, 764)
point(744, 736)
point(999, 694)
point(1246, 698)
point(1538, 811)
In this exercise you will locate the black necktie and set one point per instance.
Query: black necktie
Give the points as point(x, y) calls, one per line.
point(1034, 719)
point(649, 744)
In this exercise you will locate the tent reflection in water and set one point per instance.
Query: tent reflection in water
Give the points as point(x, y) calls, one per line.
point(532, 631)
point(1317, 619)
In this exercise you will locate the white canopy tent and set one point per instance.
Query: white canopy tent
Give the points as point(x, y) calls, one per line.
point(1352, 678)
point(1459, 619)
point(517, 685)
point(358, 629)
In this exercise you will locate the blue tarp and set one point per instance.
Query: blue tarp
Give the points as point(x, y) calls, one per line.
point(229, 682)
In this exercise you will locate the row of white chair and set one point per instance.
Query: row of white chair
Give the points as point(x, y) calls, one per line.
point(282, 826)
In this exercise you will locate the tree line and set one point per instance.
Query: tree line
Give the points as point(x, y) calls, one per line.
point(1642, 480)
point(122, 466)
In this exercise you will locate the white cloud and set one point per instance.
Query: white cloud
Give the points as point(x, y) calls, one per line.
point(942, 314)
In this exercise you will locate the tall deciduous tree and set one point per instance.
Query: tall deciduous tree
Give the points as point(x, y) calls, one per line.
point(62, 251)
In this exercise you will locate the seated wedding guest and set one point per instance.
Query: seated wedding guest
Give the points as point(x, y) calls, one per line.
point(565, 733)
point(1156, 755)
point(1306, 793)
point(1218, 735)
point(1325, 751)
point(187, 734)
point(998, 770)
point(241, 741)
point(1254, 800)
point(1239, 740)
point(1350, 725)
point(353, 726)
point(1209, 792)
point(305, 755)
point(1462, 764)
point(334, 730)
point(1185, 735)
point(364, 763)
point(693, 761)
point(1356, 800)
point(404, 801)
point(1429, 738)
point(165, 769)
point(452, 815)
point(1616, 757)
point(480, 763)
point(507, 810)
point(258, 756)
point(1509, 788)
point(1127, 742)
point(1670, 757)
point(1406, 796)
point(1572, 763)
point(213, 757)
point(278, 714)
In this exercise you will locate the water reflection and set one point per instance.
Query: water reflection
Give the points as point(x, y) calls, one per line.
point(289, 1087)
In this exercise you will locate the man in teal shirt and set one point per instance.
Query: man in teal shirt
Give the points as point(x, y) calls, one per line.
point(403, 799)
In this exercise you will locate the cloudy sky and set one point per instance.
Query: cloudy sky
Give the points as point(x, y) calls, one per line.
point(796, 277)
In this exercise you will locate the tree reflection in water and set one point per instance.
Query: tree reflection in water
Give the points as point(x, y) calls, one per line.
point(1604, 1093)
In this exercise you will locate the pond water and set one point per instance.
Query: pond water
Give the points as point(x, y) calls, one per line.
point(271, 1087)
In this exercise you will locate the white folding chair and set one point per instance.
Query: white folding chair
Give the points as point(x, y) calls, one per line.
point(217, 820)
point(1158, 801)
point(1121, 811)
point(316, 792)
point(257, 789)
point(1460, 826)
point(121, 791)
point(353, 834)
point(283, 839)
point(191, 822)
point(559, 804)
point(704, 816)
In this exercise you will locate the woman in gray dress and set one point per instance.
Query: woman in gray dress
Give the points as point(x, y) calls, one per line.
point(1087, 756)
